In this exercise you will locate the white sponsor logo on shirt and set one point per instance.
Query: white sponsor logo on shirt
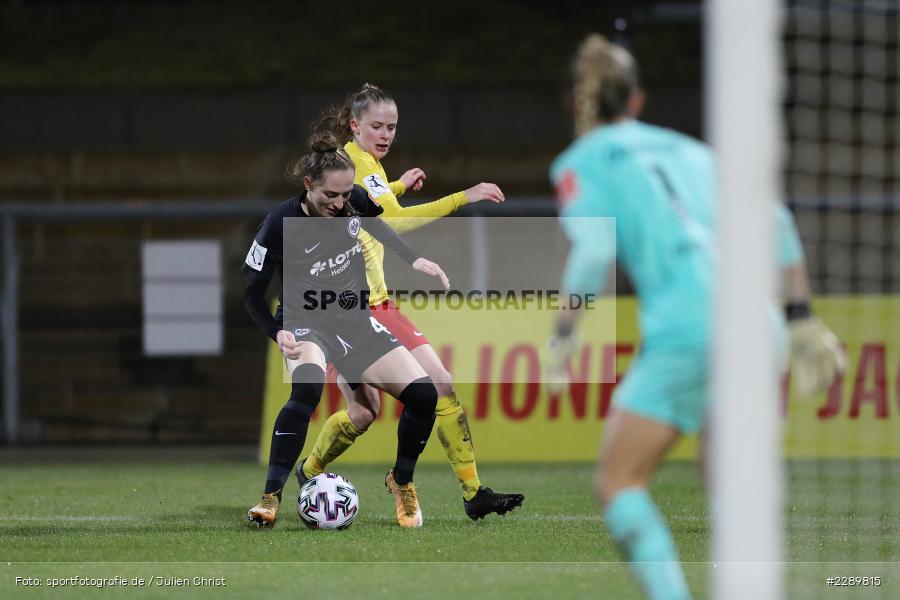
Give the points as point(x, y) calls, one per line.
point(337, 264)
point(256, 257)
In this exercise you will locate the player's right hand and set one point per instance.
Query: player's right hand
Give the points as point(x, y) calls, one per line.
point(816, 355)
point(485, 191)
point(289, 346)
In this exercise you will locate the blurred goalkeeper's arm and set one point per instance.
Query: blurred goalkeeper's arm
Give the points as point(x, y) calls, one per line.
point(556, 353)
point(816, 353)
point(590, 257)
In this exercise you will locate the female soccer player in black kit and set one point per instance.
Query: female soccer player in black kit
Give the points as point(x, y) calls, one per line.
point(320, 261)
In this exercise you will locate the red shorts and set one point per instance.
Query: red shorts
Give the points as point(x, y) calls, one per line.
point(400, 327)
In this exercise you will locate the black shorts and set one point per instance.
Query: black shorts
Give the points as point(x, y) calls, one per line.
point(351, 350)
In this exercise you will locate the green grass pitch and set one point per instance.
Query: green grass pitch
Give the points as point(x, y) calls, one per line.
point(185, 519)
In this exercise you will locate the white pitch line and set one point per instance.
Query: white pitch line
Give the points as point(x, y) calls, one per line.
point(73, 518)
point(549, 518)
point(521, 516)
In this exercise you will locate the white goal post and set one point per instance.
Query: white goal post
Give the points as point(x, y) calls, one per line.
point(742, 81)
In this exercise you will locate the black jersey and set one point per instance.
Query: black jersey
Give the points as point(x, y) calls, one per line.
point(320, 262)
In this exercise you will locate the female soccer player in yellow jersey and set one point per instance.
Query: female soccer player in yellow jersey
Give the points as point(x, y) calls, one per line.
point(368, 123)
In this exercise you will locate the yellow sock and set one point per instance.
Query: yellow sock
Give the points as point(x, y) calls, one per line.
point(456, 438)
point(337, 434)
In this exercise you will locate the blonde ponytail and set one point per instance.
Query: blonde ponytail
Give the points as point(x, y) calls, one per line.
point(604, 76)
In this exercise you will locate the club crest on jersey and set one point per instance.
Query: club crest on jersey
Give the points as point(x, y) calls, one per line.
point(353, 226)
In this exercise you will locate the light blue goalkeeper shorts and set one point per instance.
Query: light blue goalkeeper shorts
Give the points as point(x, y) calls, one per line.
point(668, 385)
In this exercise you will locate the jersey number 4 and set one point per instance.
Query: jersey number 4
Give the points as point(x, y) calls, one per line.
point(378, 327)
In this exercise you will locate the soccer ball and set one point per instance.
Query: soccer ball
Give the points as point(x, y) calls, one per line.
point(327, 501)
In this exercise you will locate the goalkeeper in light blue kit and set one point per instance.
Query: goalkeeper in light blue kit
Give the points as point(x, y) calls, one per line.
point(658, 189)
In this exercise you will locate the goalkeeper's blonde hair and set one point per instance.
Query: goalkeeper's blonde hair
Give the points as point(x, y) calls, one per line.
point(604, 76)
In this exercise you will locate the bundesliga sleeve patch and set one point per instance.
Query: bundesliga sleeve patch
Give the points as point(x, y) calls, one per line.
point(256, 257)
point(376, 186)
point(566, 188)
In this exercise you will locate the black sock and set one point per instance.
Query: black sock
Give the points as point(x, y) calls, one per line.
point(291, 424)
point(416, 421)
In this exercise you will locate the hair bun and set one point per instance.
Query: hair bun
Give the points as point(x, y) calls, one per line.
point(323, 142)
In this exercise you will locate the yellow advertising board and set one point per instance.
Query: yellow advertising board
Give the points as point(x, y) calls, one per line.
point(494, 358)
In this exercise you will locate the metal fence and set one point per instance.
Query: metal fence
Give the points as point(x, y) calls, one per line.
point(74, 370)
point(73, 364)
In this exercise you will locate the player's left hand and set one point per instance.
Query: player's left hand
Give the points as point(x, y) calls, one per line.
point(423, 265)
point(816, 355)
point(414, 179)
point(555, 363)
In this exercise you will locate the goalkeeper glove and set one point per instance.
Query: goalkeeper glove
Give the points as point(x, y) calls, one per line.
point(555, 362)
point(816, 355)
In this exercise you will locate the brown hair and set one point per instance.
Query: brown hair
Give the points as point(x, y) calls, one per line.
point(337, 118)
point(604, 76)
point(325, 154)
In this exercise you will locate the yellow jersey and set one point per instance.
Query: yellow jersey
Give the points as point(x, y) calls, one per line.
point(370, 174)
